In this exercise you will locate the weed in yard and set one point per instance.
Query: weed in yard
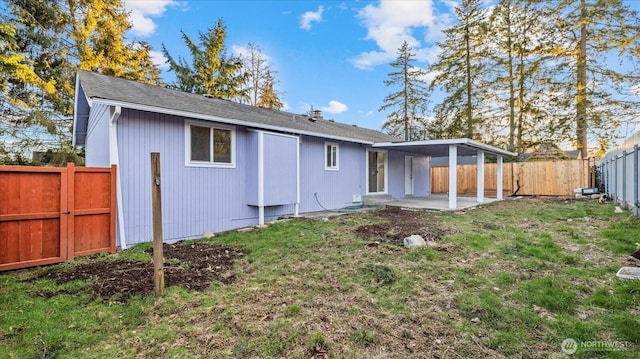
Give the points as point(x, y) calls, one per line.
point(379, 274)
point(363, 337)
point(294, 310)
point(317, 343)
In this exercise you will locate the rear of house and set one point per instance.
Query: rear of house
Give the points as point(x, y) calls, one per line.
point(226, 165)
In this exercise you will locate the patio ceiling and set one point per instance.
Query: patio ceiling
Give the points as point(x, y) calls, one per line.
point(438, 148)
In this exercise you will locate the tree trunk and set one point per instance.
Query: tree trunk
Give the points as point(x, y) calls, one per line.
point(581, 96)
point(469, 89)
point(512, 91)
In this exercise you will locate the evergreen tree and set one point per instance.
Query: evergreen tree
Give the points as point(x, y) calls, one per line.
point(56, 37)
point(517, 82)
point(461, 73)
point(211, 72)
point(595, 46)
point(32, 101)
point(98, 28)
point(268, 97)
point(409, 103)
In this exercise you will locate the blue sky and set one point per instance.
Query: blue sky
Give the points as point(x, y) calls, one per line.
point(333, 55)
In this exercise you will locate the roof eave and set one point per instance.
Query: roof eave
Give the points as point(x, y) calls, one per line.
point(452, 141)
point(231, 121)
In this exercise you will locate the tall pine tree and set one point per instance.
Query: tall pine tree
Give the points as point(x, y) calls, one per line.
point(595, 44)
point(460, 72)
point(410, 102)
point(518, 89)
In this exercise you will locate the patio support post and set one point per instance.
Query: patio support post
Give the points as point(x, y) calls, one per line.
point(453, 179)
point(480, 177)
point(499, 178)
point(260, 178)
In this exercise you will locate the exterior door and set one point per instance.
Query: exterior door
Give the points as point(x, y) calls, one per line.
point(408, 175)
point(376, 164)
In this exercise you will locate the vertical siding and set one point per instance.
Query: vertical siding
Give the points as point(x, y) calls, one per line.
point(395, 172)
point(97, 142)
point(251, 169)
point(198, 199)
point(421, 176)
point(194, 199)
point(421, 182)
point(335, 189)
point(280, 169)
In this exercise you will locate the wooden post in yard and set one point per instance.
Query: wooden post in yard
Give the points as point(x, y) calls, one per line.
point(156, 203)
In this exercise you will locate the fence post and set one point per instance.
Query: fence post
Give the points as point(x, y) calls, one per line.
point(636, 176)
point(624, 179)
point(156, 202)
point(615, 179)
point(70, 212)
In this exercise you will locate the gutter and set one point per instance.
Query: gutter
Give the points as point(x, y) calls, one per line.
point(114, 160)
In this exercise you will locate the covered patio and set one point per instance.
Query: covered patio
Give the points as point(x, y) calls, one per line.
point(451, 148)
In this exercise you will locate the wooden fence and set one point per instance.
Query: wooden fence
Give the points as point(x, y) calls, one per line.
point(548, 178)
point(52, 214)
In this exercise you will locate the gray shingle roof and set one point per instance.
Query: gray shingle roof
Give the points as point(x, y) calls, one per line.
point(138, 95)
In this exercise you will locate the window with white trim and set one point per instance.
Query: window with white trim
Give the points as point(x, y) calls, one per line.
point(332, 156)
point(209, 146)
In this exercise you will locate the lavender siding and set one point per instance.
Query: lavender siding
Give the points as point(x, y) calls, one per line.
point(252, 168)
point(194, 199)
point(198, 199)
point(396, 173)
point(280, 169)
point(421, 176)
point(97, 148)
point(335, 189)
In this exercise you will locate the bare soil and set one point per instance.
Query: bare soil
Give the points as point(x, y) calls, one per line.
point(399, 224)
point(191, 265)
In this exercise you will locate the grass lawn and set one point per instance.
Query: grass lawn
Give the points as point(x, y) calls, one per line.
point(510, 279)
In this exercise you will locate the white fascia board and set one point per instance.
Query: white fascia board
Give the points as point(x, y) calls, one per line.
point(452, 141)
point(79, 92)
point(231, 121)
point(489, 148)
point(75, 113)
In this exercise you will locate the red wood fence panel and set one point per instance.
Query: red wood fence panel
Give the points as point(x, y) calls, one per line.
point(51, 214)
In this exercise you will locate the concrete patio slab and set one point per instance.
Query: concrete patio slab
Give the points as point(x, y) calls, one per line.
point(438, 202)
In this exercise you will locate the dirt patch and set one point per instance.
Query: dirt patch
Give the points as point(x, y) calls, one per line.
point(399, 224)
point(191, 265)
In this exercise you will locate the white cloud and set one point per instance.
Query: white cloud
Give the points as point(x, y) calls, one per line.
point(335, 107)
point(158, 58)
point(142, 12)
point(389, 23)
point(245, 52)
point(310, 17)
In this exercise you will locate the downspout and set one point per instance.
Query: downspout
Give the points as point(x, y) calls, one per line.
point(296, 210)
point(260, 178)
point(114, 159)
